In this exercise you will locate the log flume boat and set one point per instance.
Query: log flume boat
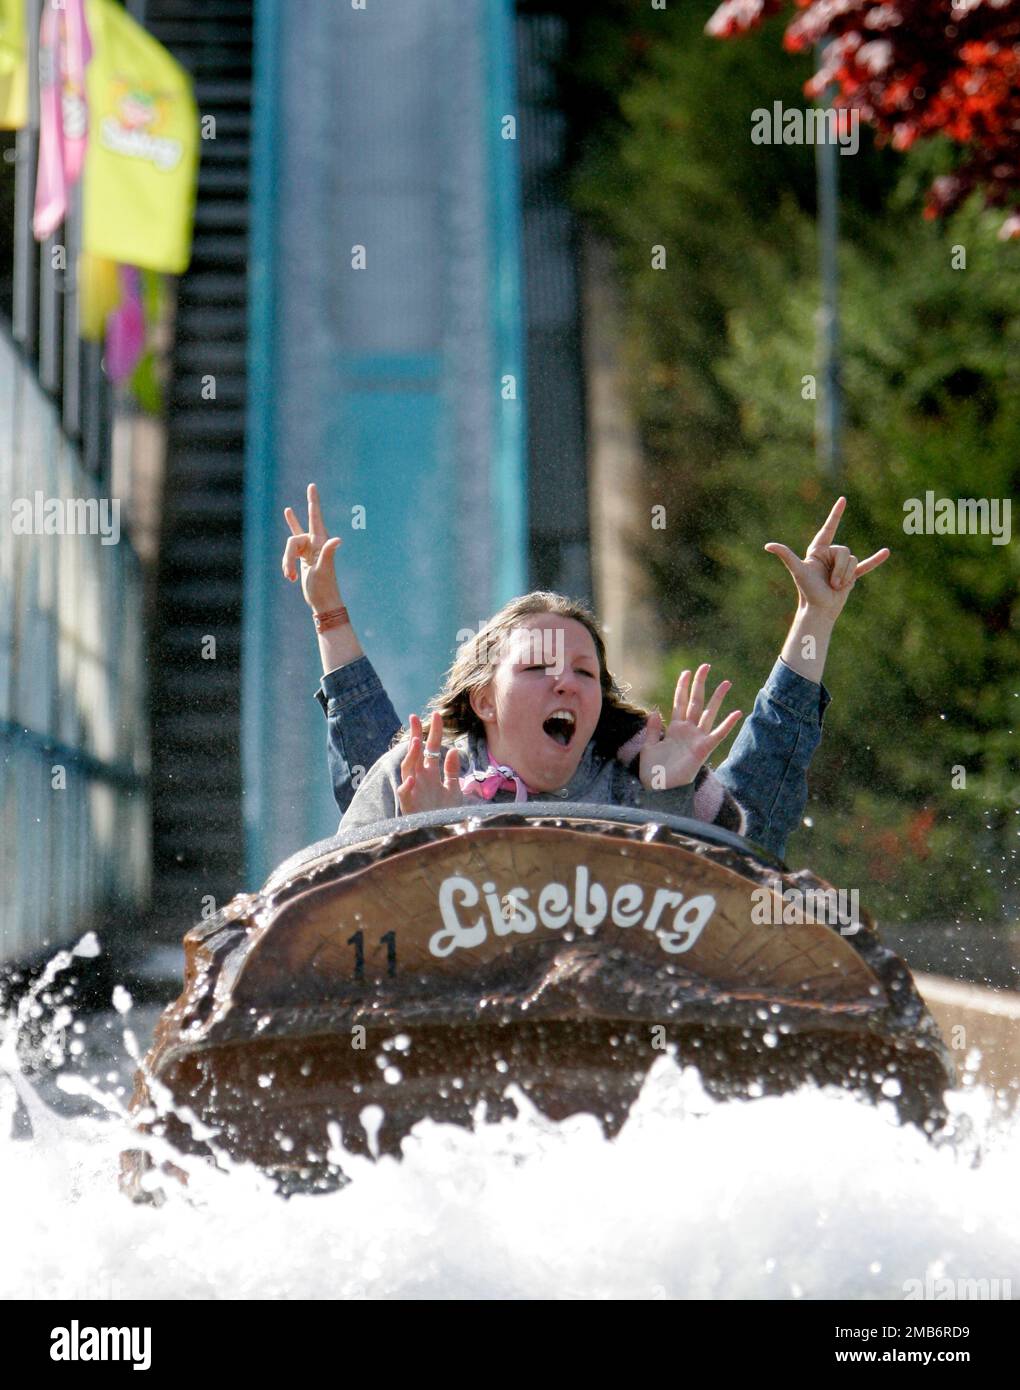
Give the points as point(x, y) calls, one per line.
point(424, 964)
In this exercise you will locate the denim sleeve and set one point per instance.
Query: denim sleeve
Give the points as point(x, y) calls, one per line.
point(767, 769)
point(360, 724)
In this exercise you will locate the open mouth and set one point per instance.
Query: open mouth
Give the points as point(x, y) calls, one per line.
point(560, 727)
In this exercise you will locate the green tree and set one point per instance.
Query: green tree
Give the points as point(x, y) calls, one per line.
point(925, 667)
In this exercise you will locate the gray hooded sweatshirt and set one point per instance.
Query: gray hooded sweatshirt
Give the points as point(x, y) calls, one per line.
point(598, 779)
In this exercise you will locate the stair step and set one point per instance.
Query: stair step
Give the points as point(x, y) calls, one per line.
point(202, 23)
point(218, 472)
point(206, 849)
point(232, 122)
point(207, 507)
point(157, 11)
point(213, 422)
point(229, 216)
point(224, 150)
point(211, 286)
point(231, 91)
point(202, 776)
point(203, 593)
point(216, 178)
point(199, 356)
point(219, 248)
point(182, 643)
point(200, 322)
point(191, 810)
point(192, 729)
point(188, 391)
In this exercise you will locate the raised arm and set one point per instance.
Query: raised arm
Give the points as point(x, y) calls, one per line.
point(360, 720)
point(824, 579)
point(315, 550)
point(767, 768)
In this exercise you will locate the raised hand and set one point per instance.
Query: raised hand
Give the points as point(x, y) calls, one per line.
point(671, 757)
point(827, 572)
point(422, 786)
point(315, 549)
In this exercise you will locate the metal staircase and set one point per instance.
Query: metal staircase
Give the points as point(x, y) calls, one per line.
point(196, 755)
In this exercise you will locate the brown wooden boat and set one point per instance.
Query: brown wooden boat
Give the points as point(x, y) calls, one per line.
point(426, 963)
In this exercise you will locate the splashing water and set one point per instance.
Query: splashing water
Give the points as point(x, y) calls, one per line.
point(811, 1195)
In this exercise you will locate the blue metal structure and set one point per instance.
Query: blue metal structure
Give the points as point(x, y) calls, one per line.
point(385, 361)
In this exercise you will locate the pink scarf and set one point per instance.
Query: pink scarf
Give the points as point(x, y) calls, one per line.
point(712, 802)
point(495, 779)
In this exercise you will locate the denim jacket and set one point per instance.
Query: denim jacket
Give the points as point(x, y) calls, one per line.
point(766, 770)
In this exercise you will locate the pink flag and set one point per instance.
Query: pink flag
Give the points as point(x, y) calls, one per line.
point(75, 52)
point(50, 184)
point(125, 327)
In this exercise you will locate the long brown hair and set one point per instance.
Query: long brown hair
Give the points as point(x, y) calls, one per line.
point(475, 664)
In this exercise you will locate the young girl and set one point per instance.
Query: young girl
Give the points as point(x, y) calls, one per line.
point(533, 711)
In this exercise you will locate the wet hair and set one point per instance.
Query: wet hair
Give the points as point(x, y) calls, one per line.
point(476, 660)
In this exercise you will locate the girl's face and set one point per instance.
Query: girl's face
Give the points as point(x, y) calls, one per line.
point(544, 700)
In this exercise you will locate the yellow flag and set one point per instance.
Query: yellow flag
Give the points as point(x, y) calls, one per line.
point(13, 66)
point(99, 294)
point(142, 158)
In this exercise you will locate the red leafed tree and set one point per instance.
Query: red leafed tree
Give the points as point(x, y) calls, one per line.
point(916, 68)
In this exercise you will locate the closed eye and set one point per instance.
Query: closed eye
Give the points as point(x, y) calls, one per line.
point(551, 670)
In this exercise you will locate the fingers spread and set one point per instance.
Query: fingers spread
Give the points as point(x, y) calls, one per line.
point(451, 770)
point(411, 762)
point(792, 562)
point(297, 547)
point(435, 738)
point(828, 530)
point(406, 797)
point(842, 566)
point(873, 561)
point(327, 552)
point(653, 729)
point(709, 717)
point(697, 702)
point(724, 729)
point(682, 696)
point(315, 522)
point(431, 750)
point(296, 528)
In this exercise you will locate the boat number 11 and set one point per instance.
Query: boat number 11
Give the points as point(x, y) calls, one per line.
point(358, 942)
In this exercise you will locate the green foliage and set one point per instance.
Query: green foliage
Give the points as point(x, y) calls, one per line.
point(925, 665)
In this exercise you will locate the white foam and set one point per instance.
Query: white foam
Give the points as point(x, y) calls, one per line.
point(812, 1195)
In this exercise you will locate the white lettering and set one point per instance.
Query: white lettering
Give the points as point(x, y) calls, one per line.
point(687, 928)
point(588, 917)
point(445, 942)
point(554, 906)
point(627, 902)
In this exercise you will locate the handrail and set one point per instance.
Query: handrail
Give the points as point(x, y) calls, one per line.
point(510, 813)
